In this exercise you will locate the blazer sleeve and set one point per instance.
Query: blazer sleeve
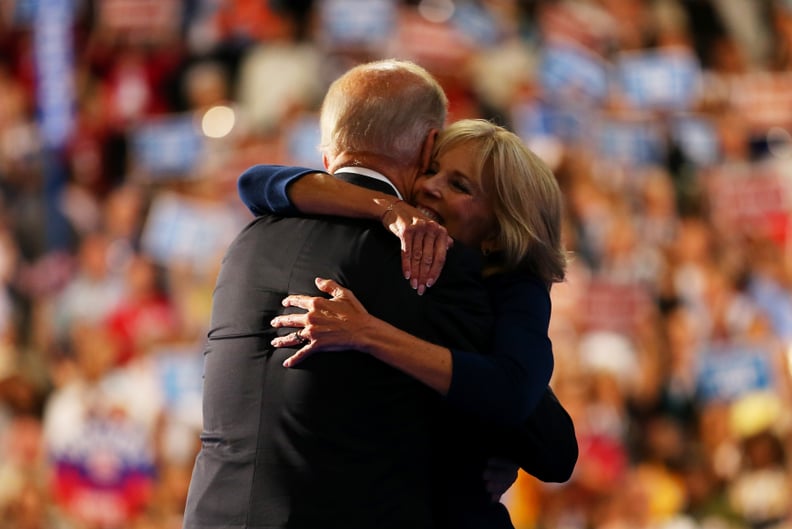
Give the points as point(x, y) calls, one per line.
point(263, 188)
point(505, 384)
point(545, 445)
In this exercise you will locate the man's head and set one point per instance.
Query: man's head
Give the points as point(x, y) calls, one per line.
point(383, 115)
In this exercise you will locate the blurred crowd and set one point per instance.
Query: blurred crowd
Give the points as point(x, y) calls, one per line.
point(123, 127)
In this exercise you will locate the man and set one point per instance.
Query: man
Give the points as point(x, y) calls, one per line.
point(342, 441)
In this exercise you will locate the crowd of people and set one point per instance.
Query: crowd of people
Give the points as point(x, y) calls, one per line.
point(666, 123)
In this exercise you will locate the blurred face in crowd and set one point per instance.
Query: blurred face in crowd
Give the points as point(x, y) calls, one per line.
point(454, 193)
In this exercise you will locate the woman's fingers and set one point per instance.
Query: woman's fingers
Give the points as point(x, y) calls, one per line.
point(436, 266)
point(328, 286)
point(326, 324)
point(429, 256)
point(416, 257)
point(299, 356)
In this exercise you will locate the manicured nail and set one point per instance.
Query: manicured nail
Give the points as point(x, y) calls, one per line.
point(429, 283)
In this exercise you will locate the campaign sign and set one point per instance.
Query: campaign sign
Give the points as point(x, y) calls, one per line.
point(303, 137)
point(53, 51)
point(364, 23)
point(727, 372)
point(614, 306)
point(696, 137)
point(748, 200)
point(572, 73)
point(144, 20)
point(632, 142)
point(476, 23)
point(179, 231)
point(537, 119)
point(664, 79)
point(167, 146)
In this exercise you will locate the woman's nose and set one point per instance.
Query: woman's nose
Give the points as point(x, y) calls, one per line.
point(431, 186)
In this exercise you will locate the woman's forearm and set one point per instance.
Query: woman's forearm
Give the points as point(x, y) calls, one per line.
point(286, 190)
point(428, 363)
point(324, 194)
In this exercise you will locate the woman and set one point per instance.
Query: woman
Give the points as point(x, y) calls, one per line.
point(489, 192)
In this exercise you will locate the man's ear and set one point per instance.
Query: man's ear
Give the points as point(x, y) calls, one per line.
point(427, 149)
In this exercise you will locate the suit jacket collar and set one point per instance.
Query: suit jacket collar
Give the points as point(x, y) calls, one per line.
point(367, 178)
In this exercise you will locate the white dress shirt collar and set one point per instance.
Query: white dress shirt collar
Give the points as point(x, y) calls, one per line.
point(371, 174)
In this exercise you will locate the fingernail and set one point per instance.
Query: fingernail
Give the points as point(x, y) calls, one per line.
point(429, 283)
point(414, 284)
point(421, 290)
point(406, 275)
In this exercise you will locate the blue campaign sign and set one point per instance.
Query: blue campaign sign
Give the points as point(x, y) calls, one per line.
point(633, 142)
point(477, 24)
point(178, 230)
point(697, 138)
point(659, 79)
point(167, 145)
point(730, 371)
point(53, 51)
point(537, 119)
point(303, 137)
point(357, 22)
point(568, 72)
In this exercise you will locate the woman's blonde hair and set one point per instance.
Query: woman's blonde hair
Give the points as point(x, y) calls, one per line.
point(526, 199)
point(386, 107)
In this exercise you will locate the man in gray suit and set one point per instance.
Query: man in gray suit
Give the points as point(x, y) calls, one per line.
point(344, 441)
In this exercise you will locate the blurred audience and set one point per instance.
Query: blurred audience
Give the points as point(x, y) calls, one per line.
point(667, 122)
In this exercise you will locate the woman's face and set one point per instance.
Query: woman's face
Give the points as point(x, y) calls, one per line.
point(453, 194)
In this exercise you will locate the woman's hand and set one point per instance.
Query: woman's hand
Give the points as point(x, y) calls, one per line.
point(334, 324)
point(424, 243)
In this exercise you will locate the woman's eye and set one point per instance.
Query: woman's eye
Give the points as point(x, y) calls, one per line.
point(459, 186)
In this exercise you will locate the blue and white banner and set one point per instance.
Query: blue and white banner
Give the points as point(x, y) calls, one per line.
point(728, 372)
point(536, 119)
point(572, 73)
point(183, 231)
point(659, 79)
point(357, 23)
point(632, 142)
point(167, 146)
point(697, 138)
point(54, 58)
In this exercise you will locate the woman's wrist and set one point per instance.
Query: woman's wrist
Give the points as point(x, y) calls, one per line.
point(388, 204)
